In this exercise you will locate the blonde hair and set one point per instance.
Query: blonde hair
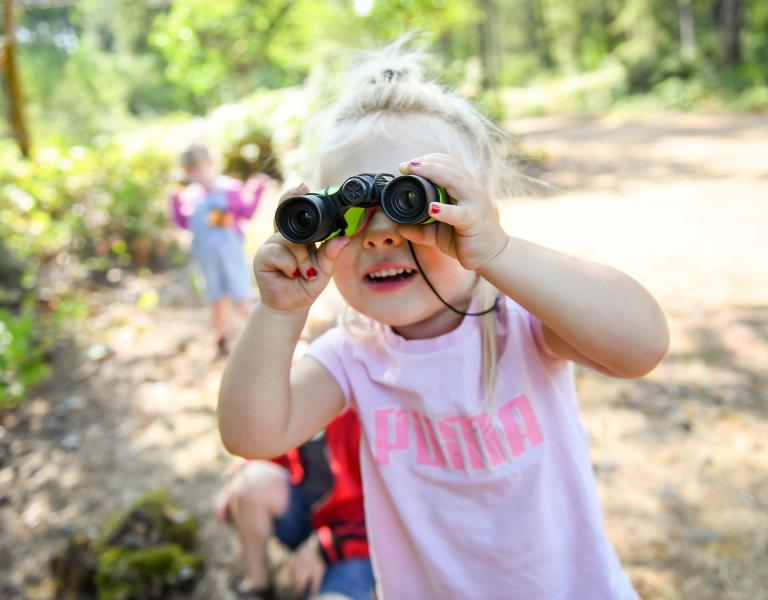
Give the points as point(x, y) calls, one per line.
point(385, 87)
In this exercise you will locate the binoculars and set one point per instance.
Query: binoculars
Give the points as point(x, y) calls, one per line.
point(319, 216)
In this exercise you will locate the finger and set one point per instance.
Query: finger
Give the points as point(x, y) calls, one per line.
point(314, 583)
point(461, 218)
point(308, 268)
point(300, 580)
point(297, 191)
point(439, 158)
point(419, 234)
point(329, 253)
point(443, 175)
point(278, 256)
point(438, 235)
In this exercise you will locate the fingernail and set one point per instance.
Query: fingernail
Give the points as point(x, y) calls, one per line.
point(311, 272)
point(295, 273)
point(415, 163)
point(434, 208)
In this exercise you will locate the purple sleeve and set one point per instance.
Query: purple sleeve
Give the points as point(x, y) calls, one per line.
point(328, 350)
point(241, 206)
point(181, 219)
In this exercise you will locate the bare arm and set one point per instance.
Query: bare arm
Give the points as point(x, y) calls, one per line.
point(266, 406)
point(592, 314)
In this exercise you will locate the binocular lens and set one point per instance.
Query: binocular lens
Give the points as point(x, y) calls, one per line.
point(304, 219)
point(406, 199)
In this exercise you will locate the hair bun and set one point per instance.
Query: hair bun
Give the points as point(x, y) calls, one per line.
point(390, 75)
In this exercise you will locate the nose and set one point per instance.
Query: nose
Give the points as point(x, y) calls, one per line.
point(380, 232)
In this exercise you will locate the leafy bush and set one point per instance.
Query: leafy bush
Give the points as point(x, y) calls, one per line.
point(22, 356)
point(150, 551)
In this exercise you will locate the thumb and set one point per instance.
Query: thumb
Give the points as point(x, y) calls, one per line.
point(296, 191)
point(425, 235)
point(329, 252)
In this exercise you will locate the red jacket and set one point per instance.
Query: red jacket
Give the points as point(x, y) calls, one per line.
point(327, 471)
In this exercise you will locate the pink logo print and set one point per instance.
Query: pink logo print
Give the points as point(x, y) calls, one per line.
point(400, 439)
point(458, 442)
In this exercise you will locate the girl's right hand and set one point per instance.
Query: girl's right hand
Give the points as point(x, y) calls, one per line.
point(291, 276)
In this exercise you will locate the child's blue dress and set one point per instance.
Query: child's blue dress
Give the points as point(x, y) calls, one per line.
point(217, 246)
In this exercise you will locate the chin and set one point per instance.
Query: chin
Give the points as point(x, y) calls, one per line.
point(399, 313)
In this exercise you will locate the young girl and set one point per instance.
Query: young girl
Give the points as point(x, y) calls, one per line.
point(475, 465)
point(212, 207)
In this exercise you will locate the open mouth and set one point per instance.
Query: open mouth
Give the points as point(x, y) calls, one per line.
point(390, 275)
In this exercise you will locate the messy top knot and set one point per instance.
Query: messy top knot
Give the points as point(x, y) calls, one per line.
point(386, 86)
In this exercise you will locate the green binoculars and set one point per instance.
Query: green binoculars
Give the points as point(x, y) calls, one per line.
point(318, 216)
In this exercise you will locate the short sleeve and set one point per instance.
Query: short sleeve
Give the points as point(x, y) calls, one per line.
point(332, 351)
point(537, 330)
point(535, 327)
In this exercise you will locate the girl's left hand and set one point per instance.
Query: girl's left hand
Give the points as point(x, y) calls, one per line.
point(468, 230)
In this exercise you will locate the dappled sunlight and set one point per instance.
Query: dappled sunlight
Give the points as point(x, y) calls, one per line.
point(641, 145)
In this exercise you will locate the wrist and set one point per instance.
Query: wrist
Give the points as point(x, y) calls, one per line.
point(487, 265)
point(291, 315)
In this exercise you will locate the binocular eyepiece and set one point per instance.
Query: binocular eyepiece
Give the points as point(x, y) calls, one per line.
point(318, 216)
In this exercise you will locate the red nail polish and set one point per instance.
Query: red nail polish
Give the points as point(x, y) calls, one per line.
point(295, 273)
point(435, 208)
point(415, 163)
point(311, 272)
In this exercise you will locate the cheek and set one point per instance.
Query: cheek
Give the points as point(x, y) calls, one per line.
point(438, 266)
point(344, 272)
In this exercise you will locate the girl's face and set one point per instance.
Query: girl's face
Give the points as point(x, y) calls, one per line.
point(376, 273)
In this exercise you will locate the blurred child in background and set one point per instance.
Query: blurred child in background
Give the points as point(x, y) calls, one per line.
point(212, 206)
point(311, 499)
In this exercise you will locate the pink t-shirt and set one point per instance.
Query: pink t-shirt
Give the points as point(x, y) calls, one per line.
point(467, 503)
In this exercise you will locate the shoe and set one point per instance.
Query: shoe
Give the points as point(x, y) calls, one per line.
point(246, 592)
point(222, 347)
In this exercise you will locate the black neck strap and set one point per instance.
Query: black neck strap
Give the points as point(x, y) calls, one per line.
point(439, 297)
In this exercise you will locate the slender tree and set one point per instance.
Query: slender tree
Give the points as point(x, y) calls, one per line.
point(489, 54)
point(12, 80)
point(730, 22)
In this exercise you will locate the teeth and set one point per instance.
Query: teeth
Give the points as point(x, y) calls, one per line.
point(389, 273)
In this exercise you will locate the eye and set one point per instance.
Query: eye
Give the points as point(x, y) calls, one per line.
point(369, 212)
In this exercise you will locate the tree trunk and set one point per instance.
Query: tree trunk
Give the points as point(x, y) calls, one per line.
point(687, 29)
point(489, 56)
point(10, 70)
point(730, 21)
point(539, 32)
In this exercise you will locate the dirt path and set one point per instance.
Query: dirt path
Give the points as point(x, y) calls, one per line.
point(681, 456)
point(680, 203)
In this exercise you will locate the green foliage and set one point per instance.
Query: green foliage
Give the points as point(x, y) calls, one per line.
point(96, 66)
point(83, 200)
point(27, 337)
point(149, 552)
point(71, 208)
point(22, 356)
point(124, 574)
